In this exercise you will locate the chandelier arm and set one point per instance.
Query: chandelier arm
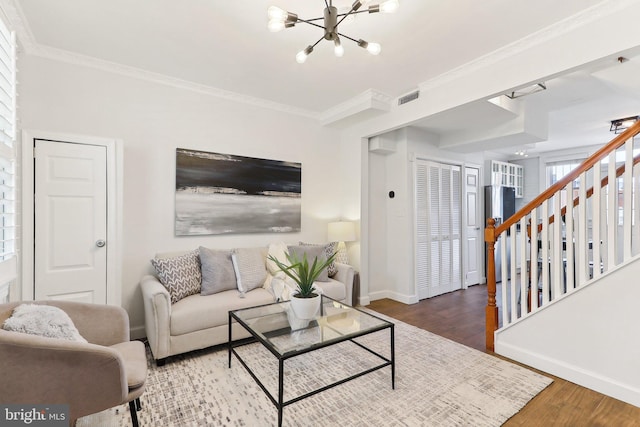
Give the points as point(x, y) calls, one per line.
point(309, 20)
point(353, 12)
point(347, 37)
point(316, 43)
point(311, 23)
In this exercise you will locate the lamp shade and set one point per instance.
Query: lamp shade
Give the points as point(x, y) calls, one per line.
point(341, 231)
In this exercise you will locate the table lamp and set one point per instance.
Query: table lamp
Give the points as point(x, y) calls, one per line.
point(341, 232)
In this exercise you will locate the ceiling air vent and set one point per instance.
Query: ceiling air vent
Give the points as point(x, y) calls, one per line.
point(409, 97)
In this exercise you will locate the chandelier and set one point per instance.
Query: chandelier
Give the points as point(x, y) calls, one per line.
point(280, 19)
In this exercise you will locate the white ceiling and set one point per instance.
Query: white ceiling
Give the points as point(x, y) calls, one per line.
point(226, 45)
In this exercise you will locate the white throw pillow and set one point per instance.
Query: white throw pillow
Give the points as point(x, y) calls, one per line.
point(249, 266)
point(43, 320)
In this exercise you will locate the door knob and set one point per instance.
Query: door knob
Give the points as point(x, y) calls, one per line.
point(100, 243)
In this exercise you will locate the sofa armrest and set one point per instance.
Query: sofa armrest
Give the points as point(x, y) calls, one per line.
point(345, 275)
point(157, 315)
point(41, 370)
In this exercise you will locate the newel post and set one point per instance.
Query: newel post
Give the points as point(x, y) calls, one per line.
point(492, 308)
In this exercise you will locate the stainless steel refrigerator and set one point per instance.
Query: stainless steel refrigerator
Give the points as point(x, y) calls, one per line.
point(500, 204)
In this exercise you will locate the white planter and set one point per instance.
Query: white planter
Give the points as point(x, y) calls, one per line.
point(305, 308)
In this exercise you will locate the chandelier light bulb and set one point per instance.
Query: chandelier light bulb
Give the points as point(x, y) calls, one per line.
point(275, 25)
point(374, 48)
point(301, 57)
point(275, 13)
point(389, 6)
point(337, 48)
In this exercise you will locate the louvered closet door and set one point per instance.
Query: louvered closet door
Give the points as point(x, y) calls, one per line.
point(438, 225)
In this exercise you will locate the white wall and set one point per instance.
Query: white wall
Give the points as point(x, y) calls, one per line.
point(540, 57)
point(589, 337)
point(153, 120)
point(391, 221)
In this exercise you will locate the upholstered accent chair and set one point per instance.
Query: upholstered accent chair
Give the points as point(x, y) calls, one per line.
point(107, 371)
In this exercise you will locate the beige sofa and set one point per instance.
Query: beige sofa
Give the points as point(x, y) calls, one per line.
point(198, 321)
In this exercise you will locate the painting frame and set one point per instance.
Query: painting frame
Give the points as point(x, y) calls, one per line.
point(217, 193)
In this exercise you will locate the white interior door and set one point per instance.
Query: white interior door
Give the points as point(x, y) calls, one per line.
point(473, 254)
point(70, 221)
point(438, 228)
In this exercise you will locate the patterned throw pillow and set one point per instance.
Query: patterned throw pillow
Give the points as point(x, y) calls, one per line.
point(329, 249)
point(180, 275)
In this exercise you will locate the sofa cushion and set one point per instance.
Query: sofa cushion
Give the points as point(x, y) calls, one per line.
point(250, 268)
point(135, 362)
point(199, 312)
point(311, 252)
point(181, 275)
point(217, 271)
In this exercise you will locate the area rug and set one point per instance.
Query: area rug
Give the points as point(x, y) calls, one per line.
point(438, 383)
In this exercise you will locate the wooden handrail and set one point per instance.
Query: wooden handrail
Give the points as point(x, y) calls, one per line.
point(492, 232)
point(615, 143)
point(576, 201)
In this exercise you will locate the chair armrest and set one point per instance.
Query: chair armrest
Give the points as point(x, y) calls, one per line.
point(38, 370)
point(345, 275)
point(97, 323)
point(157, 315)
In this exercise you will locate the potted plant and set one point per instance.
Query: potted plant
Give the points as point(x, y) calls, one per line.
point(305, 300)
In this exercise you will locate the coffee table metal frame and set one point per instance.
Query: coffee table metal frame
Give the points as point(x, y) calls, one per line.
point(279, 402)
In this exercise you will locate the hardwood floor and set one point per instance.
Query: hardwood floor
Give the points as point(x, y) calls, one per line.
point(459, 316)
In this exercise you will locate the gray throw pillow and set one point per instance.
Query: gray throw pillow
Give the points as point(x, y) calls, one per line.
point(217, 271)
point(311, 252)
point(250, 267)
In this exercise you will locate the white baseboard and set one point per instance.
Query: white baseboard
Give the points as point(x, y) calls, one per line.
point(594, 381)
point(137, 332)
point(364, 301)
point(405, 299)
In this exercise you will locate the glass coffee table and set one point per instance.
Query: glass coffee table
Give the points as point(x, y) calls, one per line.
point(285, 336)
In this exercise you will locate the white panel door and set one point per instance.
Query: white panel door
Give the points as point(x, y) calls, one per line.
point(70, 222)
point(473, 254)
point(438, 228)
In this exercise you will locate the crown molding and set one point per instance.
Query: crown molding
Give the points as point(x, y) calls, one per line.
point(20, 25)
point(587, 16)
point(367, 103)
point(149, 76)
point(18, 21)
point(370, 100)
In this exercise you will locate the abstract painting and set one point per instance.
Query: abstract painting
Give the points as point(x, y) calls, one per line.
point(226, 194)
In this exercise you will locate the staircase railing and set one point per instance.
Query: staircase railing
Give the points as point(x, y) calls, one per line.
point(541, 264)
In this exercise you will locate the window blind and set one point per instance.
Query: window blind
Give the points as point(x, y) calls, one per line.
point(7, 151)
